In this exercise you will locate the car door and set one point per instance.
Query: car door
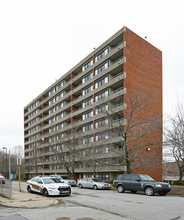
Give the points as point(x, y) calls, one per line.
point(40, 184)
point(34, 184)
point(90, 183)
point(135, 183)
point(84, 182)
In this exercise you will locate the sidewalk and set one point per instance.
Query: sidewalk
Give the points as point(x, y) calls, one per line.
point(27, 200)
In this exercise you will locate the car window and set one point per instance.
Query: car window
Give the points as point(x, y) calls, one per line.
point(51, 180)
point(34, 180)
point(84, 179)
point(145, 177)
point(123, 177)
point(135, 177)
point(97, 180)
point(40, 181)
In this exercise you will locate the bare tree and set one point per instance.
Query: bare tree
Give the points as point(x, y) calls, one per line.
point(137, 133)
point(66, 149)
point(174, 138)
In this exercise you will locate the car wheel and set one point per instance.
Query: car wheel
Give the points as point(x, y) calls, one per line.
point(162, 194)
point(29, 189)
point(149, 191)
point(80, 186)
point(95, 187)
point(120, 189)
point(45, 192)
point(133, 191)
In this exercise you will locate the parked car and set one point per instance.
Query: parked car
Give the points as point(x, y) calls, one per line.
point(68, 180)
point(56, 176)
point(140, 182)
point(2, 179)
point(94, 183)
point(48, 186)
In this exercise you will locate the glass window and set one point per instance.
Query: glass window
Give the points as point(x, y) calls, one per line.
point(101, 95)
point(60, 85)
point(101, 55)
point(51, 91)
point(60, 95)
point(51, 101)
point(87, 90)
point(87, 65)
point(87, 115)
point(87, 102)
point(101, 82)
point(87, 127)
point(60, 115)
point(87, 77)
point(101, 68)
point(59, 106)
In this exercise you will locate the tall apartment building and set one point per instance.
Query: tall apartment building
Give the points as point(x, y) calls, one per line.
point(76, 106)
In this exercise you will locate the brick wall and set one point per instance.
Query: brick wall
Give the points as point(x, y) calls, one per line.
point(143, 69)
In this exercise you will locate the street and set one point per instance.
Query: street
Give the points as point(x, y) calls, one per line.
point(103, 204)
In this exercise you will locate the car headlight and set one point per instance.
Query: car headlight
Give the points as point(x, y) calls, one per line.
point(158, 185)
point(52, 187)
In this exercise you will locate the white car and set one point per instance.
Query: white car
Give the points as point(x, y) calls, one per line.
point(2, 179)
point(94, 183)
point(48, 186)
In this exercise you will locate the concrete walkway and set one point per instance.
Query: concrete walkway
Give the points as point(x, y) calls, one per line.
point(28, 200)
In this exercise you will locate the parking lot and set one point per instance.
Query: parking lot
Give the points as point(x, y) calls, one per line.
point(108, 204)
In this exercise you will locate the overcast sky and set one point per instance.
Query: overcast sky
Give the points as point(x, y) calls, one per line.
point(40, 40)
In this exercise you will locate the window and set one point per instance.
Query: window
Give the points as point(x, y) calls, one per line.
point(51, 91)
point(88, 139)
point(87, 102)
point(59, 106)
point(59, 126)
point(101, 109)
point(87, 90)
point(60, 85)
point(51, 101)
point(87, 127)
point(60, 95)
point(102, 95)
point(51, 110)
point(88, 64)
point(51, 120)
point(101, 82)
point(101, 123)
point(101, 55)
point(101, 68)
point(52, 129)
point(106, 150)
point(87, 115)
point(51, 139)
point(60, 115)
point(87, 77)
point(101, 136)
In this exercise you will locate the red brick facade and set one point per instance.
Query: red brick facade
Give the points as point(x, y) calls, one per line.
point(143, 69)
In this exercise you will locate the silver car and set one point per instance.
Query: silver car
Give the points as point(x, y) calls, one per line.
point(68, 180)
point(94, 183)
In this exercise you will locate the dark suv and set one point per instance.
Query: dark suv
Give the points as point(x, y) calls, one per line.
point(140, 182)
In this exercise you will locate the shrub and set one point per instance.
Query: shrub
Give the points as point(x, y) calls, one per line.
point(178, 182)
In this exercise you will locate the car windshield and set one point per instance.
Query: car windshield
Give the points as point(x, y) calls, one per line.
point(146, 177)
point(51, 180)
point(97, 180)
